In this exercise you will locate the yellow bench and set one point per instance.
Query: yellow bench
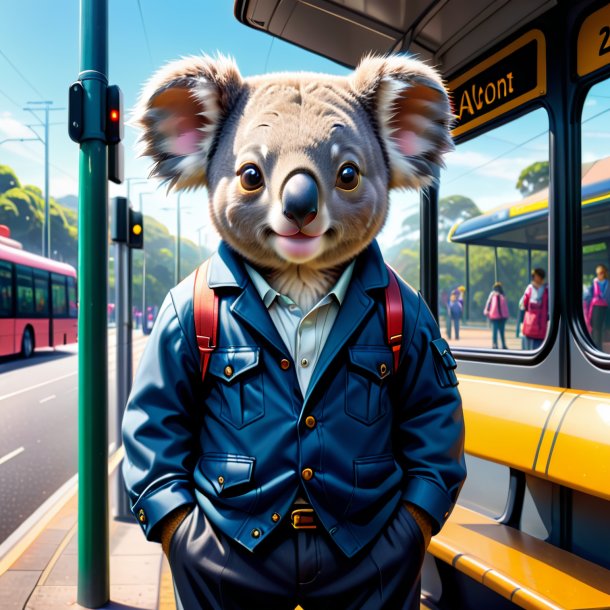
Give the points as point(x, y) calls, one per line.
point(560, 436)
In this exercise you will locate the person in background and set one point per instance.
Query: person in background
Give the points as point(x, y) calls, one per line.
point(454, 315)
point(535, 302)
point(598, 305)
point(496, 309)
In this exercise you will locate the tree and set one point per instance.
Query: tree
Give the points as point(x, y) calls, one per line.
point(533, 178)
point(8, 179)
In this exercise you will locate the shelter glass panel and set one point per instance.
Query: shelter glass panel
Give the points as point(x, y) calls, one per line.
point(400, 238)
point(493, 238)
point(595, 215)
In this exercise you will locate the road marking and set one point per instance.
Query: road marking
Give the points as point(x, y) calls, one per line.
point(38, 385)
point(47, 398)
point(11, 455)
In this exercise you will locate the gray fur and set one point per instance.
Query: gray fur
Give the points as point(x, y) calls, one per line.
point(391, 118)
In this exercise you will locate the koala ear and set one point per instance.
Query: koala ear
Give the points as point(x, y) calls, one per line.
point(412, 112)
point(180, 112)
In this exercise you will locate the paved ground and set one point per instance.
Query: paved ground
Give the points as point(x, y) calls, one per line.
point(38, 427)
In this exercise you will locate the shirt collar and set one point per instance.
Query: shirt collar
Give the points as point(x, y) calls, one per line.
point(269, 294)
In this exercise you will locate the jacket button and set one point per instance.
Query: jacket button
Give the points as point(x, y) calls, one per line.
point(284, 364)
point(275, 517)
point(310, 422)
point(446, 515)
point(221, 480)
point(307, 474)
point(228, 371)
point(383, 369)
point(256, 533)
point(141, 516)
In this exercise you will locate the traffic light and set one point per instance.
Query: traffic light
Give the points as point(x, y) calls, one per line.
point(114, 114)
point(114, 133)
point(135, 237)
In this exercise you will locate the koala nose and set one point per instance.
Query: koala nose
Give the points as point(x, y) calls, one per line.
point(300, 199)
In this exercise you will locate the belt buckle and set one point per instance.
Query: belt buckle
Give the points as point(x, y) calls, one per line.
point(303, 519)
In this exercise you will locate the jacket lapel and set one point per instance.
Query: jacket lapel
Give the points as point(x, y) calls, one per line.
point(227, 271)
point(370, 273)
point(251, 312)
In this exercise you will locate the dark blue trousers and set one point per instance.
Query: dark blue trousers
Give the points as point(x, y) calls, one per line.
point(296, 567)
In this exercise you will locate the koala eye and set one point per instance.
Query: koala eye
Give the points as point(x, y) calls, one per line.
point(250, 177)
point(348, 177)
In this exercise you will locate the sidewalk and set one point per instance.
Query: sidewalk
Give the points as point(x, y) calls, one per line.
point(41, 574)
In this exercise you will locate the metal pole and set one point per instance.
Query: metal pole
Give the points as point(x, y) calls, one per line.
point(93, 556)
point(47, 222)
point(428, 240)
point(143, 272)
point(123, 362)
point(467, 303)
point(178, 240)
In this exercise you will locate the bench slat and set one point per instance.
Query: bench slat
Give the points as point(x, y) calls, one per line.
point(529, 572)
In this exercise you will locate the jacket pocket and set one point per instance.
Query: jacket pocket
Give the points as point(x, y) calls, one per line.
point(241, 386)
point(225, 474)
point(366, 396)
point(370, 472)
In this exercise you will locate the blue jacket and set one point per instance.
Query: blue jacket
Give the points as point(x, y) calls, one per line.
point(238, 443)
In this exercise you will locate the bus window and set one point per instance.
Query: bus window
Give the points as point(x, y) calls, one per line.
point(6, 290)
point(72, 307)
point(58, 295)
point(25, 292)
point(399, 239)
point(41, 293)
point(595, 211)
point(493, 238)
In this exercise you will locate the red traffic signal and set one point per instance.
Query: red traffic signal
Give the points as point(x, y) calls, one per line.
point(114, 114)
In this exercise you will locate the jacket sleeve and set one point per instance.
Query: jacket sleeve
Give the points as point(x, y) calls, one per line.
point(430, 420)
point(526, 297)
point(158, 430)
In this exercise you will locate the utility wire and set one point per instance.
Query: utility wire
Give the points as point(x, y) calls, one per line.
point(9, 98)
point(145, 33)
point(22, 75)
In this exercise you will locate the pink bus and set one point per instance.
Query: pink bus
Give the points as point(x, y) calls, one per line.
point(38, 302)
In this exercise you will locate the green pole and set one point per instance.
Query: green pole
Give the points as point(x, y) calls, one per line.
point(93, 556)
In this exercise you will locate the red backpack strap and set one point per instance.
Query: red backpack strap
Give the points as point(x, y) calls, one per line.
point(394, 315)
point(205, 310)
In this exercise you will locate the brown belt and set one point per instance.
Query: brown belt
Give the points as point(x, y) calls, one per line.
point(303, 519)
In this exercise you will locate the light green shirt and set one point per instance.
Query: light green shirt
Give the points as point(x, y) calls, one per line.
point(303, 335)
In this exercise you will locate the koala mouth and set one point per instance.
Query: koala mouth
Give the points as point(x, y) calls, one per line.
point(298, 246)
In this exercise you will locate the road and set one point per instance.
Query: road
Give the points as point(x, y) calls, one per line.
point(39, 426)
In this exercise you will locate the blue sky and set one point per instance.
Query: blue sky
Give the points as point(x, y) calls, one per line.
point(41, 39)
point(39, 58)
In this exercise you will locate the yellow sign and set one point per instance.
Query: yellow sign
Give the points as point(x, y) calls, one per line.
point(594, 42)
point(505, 80)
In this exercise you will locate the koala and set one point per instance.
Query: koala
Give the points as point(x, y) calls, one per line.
point(313, 461)
point(297, 166)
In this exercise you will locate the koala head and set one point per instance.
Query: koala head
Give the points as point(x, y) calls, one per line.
point(298, 166)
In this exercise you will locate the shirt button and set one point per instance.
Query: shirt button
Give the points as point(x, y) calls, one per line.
point(307, 474)
point(310, 422)
point(141, 516)
point(275, 517)
point(228, 371)
point(255, 533)
point(304, 362)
